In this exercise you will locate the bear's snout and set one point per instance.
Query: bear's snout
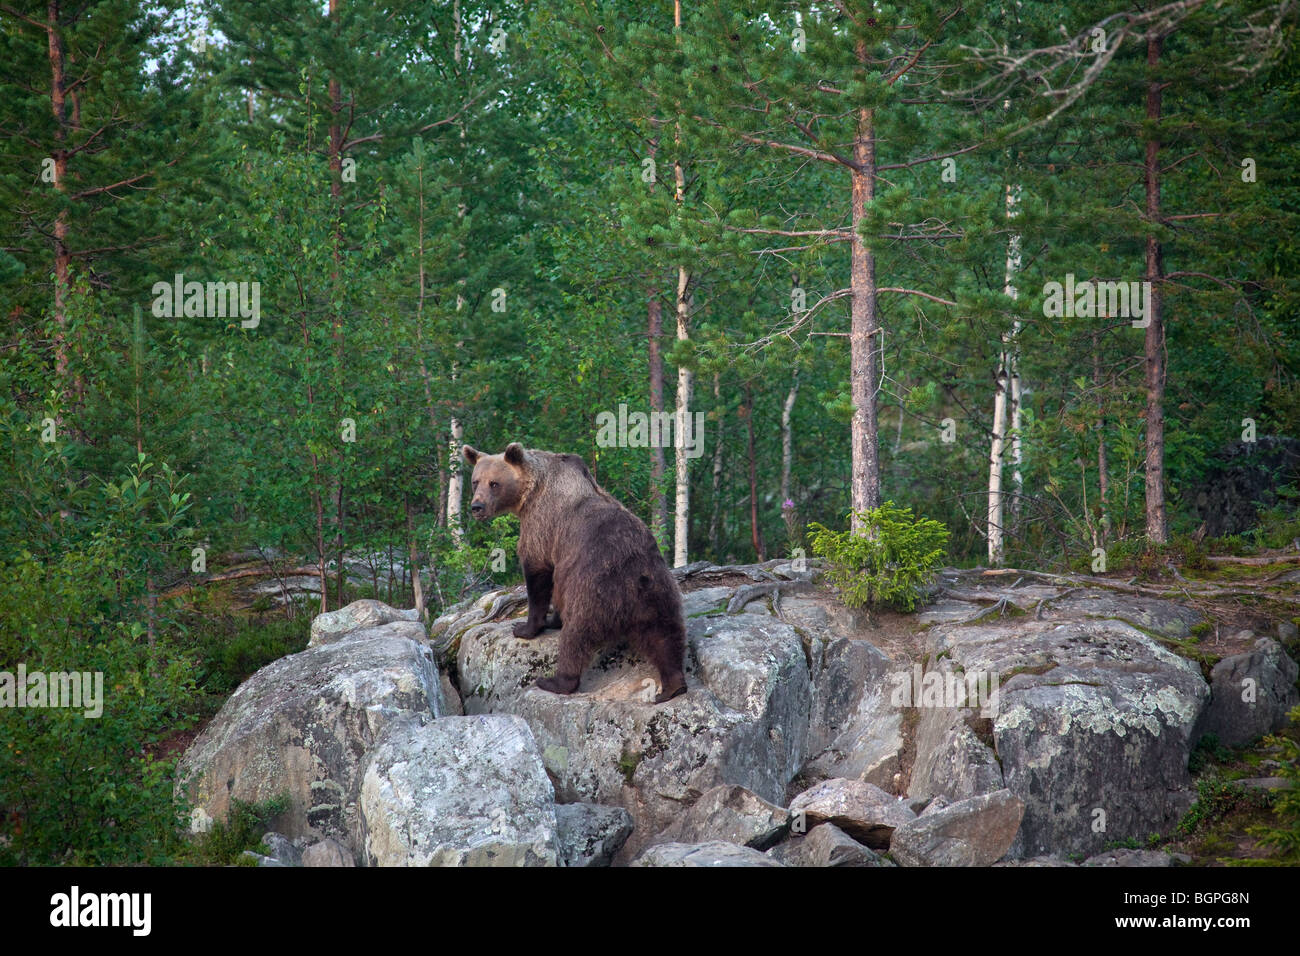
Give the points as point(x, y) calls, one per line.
point(477, 509)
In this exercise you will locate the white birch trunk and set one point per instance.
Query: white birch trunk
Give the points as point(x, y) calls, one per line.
point(681, 518)
point(1006, 406)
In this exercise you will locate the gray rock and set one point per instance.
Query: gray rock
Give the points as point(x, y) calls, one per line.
point(1037, 861)
point(973, 832)
point(460, 791)
point(731, 814)
point(824, 845)
point(360, 615)
point(743, 720)
point(952, 760)
point(716, 853)
point(282, 849)
point(1250, 695)
point(705, 601)
point(1137, 858)
point(451, 696)
point(302, 726)
point(260, 860)
point(862, 810)
point(447, 630)
point(328, 853)
point(590, 834)
point(1093, 720)
point(1264, 783)
point(854, 731)
point(935, 805)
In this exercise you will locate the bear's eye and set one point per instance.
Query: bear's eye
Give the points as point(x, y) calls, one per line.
point(492, 484)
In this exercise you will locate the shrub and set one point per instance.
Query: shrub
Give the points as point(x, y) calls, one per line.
point(1284, 836)
point(888, 562)
point(75, 788)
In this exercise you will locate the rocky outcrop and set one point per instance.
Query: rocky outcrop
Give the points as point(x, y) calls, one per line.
point(303, 725)
point(359, 616)
point(742, 722)
point(1090, 724)
point(1023, 718)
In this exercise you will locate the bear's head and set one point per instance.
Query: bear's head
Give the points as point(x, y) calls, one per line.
point(499, 482)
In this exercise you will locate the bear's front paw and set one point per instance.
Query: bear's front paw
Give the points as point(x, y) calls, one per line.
point(558, 685)
point(524, 629)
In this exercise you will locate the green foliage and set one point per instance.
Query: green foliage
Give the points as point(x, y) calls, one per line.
point(1283, 837)
point(1215, 799)
point(1207, 751)
point(485, 559)
point(230, 648)
point(888, 562)
point(243, 829)
point(75, 788)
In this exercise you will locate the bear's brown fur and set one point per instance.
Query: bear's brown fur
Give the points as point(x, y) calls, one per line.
point(589, 556)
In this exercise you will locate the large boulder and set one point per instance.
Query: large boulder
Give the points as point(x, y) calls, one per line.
point(854, 731)
point(731, 814)
point(460, 791)
point(1250, 695)
point(360, 615)
point(743, 720)
point(974, 832)
point(1092, 728)
point(824, 845)
point(302, 726)
point(862, 810)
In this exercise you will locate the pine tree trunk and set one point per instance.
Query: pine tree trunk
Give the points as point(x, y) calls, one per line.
point(1154, 344)
point(1103, 474)
point(756, 535)
point(864, 372)
point(716, 515)
point(62, 253)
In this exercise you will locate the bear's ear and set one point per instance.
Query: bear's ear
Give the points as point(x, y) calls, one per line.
point(471, 454)
point(515, 454)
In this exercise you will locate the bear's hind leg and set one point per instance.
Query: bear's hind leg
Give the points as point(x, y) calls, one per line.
point(665, 648)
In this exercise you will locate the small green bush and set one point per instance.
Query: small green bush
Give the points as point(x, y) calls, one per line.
point(243, 829)
point(1284, 836)
point(888, 562)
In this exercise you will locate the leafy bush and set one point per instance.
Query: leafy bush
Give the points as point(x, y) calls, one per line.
point(243, 829)
point(473, 565)
point(1215, 799)
point(75, 788)
point(1207, 751)
point(1284, 836)
point(888, 562)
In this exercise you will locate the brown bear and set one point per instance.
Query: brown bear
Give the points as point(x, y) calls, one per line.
point(589, 556)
